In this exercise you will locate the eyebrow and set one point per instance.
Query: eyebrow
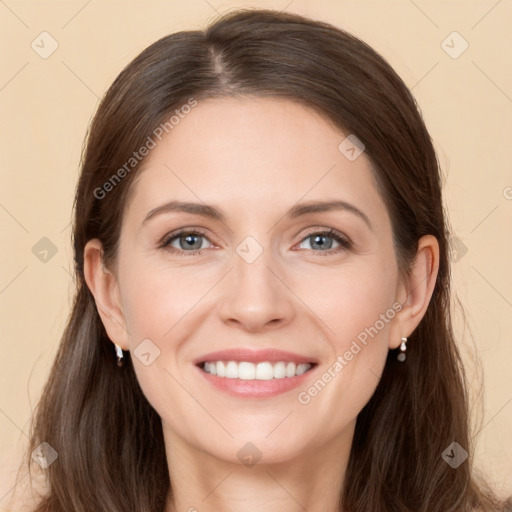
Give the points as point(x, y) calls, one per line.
point(299, 210)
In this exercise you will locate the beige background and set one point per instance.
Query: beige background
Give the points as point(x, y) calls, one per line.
point(46, 105)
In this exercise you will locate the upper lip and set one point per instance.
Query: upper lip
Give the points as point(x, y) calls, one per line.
point(254, 356)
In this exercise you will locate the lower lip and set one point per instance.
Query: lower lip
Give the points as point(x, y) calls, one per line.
point(256, 388)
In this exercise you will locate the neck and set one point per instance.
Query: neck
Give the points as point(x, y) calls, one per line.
point(312, 481)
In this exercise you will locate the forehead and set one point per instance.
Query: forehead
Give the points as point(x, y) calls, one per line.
point(253, 152)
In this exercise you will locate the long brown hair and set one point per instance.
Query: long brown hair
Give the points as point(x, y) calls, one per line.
point(109, 440)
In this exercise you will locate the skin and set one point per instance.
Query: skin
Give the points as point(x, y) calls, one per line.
point(254, 159)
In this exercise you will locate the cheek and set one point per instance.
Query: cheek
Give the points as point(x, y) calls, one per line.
point(359, 310)
point(157, 298)
point(355, 302)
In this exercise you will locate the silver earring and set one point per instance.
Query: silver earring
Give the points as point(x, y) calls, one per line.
point(120, 356)
point(403, 348)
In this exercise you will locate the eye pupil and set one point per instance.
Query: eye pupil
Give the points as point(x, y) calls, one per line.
point(322, 244)
point(190, 241)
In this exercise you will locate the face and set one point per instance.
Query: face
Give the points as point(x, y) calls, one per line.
point(294, 309)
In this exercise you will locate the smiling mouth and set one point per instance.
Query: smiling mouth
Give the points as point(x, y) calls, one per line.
point(245, 370)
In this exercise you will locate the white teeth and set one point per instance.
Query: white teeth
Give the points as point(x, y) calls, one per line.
point(264, 371)
point(221, 370)
point(232, 370)
point(210, 368)
point(290, 370)
point(249, 371)
point(246, 371)
point(302, 368)
point(279, 370)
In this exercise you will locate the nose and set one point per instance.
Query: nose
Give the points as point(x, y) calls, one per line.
point(256, 296)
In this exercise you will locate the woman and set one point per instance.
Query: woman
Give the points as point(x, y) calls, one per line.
point(262, 311)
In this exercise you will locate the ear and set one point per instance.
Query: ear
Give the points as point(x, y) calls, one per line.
point(415, 292)
point(103, 285)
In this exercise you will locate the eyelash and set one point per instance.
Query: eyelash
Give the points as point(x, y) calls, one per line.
point(343, 240)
